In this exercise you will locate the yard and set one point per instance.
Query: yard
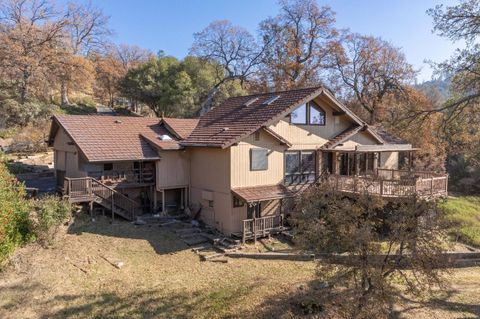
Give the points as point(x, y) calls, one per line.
point(162, 277)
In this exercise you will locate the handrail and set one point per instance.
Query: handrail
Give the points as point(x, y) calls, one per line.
point(88, 187)
point(261, 225)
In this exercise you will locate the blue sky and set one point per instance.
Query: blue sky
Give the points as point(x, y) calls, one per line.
point(169, 25)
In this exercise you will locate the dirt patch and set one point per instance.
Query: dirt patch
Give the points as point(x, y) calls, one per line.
point(161, 277)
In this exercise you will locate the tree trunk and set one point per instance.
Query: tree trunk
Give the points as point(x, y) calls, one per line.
point(207, 104)
point(64, 94)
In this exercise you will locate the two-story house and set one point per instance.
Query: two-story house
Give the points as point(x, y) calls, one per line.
point(241, 162)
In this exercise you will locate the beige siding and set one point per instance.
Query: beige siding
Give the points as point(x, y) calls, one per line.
point(362, 138)
point(173, 169)
point(312, 136)
point(210, 171)
point(389, 160)
point(66, 155)
point(242, 176)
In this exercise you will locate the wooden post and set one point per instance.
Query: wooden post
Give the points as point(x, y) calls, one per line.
point(181, 198)
point(243, 233)
point(113, 208)
point(381, 187)
point(91, 209)
point(431, 185)
point(375, 163)
point(163, 203)
point(155, 199)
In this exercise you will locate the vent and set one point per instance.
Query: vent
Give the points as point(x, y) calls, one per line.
point(251, 101)
point(271, 100)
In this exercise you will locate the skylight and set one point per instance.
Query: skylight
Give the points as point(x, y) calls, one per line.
point(251, 101)
point(271, 100)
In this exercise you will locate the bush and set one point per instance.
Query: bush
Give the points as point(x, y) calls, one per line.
point(50, 213)
point(14, 213)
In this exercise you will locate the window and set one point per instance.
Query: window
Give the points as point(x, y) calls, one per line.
point(309, 113)
point(299, 115)
point(317, 115)
point(108, 167)
point(258, 159)
point(299, 167)
point(256, 136)
point(210, 203)
point(237, 202)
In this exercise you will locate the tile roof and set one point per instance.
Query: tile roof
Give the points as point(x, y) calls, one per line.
point(342, 136)
point(264, 192)
point(240, 116)
point(183, 127)
point(119, 138)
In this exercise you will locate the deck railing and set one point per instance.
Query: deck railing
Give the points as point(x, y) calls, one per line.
point(262, 226)
point(140, 176)
point(86, 189)
point(393, 183)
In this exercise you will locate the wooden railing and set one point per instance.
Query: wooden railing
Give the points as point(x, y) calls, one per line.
point(401, 185)
point(140, 176)
point(86, 189)
point(260, 227)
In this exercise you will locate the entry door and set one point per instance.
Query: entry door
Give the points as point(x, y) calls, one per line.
point(257, 210)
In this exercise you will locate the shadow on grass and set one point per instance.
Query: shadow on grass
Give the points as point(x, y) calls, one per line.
point(162, 239)
point(146, 303)
point(310, 300)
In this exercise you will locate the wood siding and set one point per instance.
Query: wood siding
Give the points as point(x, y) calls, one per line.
point(173, 169)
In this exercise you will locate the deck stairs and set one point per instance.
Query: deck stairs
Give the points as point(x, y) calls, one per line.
point(90, 190)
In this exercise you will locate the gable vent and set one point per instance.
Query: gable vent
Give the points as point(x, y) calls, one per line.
point(271, 100)
point(251, 101)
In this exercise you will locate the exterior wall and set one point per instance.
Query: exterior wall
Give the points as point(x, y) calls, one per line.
point(306, 137)
point(242, 176)
point(210, 183)
point(173, 169)
point(67, 157)
point(389, 160)
point(361, 138)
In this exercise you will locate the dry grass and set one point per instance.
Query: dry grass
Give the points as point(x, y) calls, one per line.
point(162, 278)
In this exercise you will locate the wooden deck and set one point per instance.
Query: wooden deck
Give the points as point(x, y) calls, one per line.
point(135, 177)
point(393, 184)
point(89, 190)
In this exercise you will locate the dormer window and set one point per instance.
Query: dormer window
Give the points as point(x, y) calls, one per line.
point(309, 113)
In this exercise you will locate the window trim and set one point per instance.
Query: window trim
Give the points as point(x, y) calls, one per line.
point(251, 159)
point(300, 171)
point(308, 106)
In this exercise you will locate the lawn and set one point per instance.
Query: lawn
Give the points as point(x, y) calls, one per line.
point(163, 278)
point(464, 212)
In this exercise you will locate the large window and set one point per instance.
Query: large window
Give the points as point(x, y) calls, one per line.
point(258, 159)
point(299, 167)
point(309, 113)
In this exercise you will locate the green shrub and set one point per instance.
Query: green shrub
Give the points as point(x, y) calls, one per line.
point(14, 213)
point(464, 213)
point(50, 213)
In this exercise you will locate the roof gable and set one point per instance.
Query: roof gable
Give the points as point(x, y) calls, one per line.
point(240, 116)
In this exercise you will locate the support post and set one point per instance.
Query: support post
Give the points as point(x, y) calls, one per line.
point(181, 198)
point(155, 199)
point(91, 209)
point(113, 209)
point(163, 203)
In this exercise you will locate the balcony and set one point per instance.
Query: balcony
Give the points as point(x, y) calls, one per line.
point(393, 183)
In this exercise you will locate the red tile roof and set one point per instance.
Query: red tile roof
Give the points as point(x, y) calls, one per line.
point(240, 116)
point(264, 192)
point(120, 138)
point(341, 137)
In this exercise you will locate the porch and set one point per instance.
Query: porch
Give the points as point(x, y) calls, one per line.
point(141, 177)
point(264, 207)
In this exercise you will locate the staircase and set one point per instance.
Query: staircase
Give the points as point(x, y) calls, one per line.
point(88, 189)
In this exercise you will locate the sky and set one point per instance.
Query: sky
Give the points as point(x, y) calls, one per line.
point(169, 25)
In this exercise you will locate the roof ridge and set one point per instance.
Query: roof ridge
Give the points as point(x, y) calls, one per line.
point(316, 87)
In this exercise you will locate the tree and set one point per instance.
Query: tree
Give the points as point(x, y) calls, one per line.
point(369, 69)
point(460, 22)
point(386, 249)
point(86, 32)
point(176, 88)
point(297, 44)
point(233, 49)
point(31, 33)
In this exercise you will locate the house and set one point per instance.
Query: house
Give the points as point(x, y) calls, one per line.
point(241, 163)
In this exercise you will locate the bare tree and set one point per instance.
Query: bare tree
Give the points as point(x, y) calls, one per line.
point(233, 48)
point(370, 69)
point(297, 43)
